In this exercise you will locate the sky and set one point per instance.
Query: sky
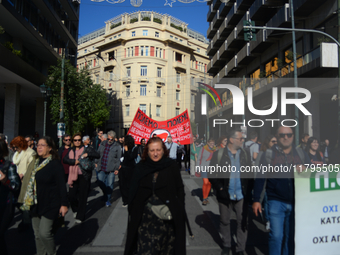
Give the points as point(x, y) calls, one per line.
point(94, 14)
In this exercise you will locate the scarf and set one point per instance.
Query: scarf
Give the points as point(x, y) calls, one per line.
point(73, 170)
point(31, 192)
point(145, 168)
point(208, 149)
point(17, 157)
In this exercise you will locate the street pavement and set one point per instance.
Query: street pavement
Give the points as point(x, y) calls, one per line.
point(104, 230)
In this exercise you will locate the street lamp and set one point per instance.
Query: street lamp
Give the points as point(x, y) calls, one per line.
point(46, 92)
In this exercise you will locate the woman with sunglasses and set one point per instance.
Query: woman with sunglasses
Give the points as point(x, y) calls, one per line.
point(78, 179)
point(313, 151)
point(46, 195)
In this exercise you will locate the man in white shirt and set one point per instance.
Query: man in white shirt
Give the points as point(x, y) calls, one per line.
point(172, 147)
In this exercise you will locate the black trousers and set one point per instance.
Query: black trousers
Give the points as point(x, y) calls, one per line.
point(125, 174)
point(78, 196)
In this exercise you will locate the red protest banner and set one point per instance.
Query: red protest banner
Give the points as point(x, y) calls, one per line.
point(178, 127)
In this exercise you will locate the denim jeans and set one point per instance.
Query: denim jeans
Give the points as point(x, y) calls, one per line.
point(106, 181)
point(281, 235)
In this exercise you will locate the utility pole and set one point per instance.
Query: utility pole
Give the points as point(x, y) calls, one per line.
point(62, 94)
point(296, 110)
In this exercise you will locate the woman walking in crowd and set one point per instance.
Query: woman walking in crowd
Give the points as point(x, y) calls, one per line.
point(46, 196)
point(204, 158)
point(9, 185)
point(79, 180)
point(313, 151)
point(23, 158)
point(156, 181)
point(222, 142)
point(126, 167)
point(23, 155)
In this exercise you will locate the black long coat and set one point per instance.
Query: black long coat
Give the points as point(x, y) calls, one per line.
point(170, 189)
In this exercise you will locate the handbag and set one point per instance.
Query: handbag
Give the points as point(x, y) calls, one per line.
point(86, 164)
point(162, 211)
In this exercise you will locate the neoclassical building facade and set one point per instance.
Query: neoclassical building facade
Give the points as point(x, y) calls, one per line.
point(146, 60)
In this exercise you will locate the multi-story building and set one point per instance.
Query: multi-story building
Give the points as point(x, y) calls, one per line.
point(145, 60)
point(270, 57)
point(35, 32)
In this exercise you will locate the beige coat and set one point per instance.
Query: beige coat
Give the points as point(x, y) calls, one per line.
point(23, 159)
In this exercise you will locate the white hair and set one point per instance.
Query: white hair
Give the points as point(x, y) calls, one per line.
point(112, 133)
point(104, 136)
point(85, 138)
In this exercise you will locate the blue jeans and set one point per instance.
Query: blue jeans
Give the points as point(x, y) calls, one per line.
point(106, 181)
point(281, 235)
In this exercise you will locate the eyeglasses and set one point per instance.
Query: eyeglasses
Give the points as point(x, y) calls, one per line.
point(273, 141)
point(76, 140)
point(110, 139)
point(289, 135)
point(241, 139)
point(67, 140)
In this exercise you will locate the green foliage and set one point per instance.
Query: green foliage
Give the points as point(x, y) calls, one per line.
point(146, 18)
point(263, 74)
point(323, 39)
point(193, 128)
point(133, 20)
point(2, 30)
point(290, 56)
point(115, 25)
point(177, 27)
point(9, 46)
point(157, 20)
point(84, 102)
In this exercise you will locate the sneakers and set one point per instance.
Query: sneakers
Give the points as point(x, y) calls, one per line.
point(205, 201)
point(124, 205)
point(74, 215)
point(108, 204)
point(78, 221)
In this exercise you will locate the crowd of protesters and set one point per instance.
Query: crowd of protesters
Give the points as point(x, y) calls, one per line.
point(43, 183)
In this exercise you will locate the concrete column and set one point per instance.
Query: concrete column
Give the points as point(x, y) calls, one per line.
point(39, 116)
point(12, 108)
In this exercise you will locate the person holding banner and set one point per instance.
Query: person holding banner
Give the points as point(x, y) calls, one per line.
point(280, 190)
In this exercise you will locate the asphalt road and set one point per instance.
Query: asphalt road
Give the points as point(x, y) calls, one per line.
point(104, 230)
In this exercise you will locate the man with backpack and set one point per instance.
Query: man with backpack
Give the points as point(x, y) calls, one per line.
point(252, 147)
point(233, 190)
point(280, 191)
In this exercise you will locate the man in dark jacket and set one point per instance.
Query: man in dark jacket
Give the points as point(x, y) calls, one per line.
point(233, 190)
point(108, 165)
point(280, 190)
point(97, 139)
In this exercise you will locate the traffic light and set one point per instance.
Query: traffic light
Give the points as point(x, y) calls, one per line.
point(249, 33)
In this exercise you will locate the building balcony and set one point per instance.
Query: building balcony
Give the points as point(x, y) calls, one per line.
point(235, 41)
point(261, 43)
point(211, 31)
point(160, 80)
point(225, 53)
point(216, 4)
point(280, 19)
point(261, 11)
point(126, 79)
point(234, 15)
point(211, 13)
point(212, 69)
point(180, 65)
point(232, 65)
point(225, 8)
point(218, 40)
point(223, 73)
point(243, 5)
point(240, 24)
point(244, 55)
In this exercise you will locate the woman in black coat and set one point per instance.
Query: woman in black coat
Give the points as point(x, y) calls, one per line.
point(156, 180)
